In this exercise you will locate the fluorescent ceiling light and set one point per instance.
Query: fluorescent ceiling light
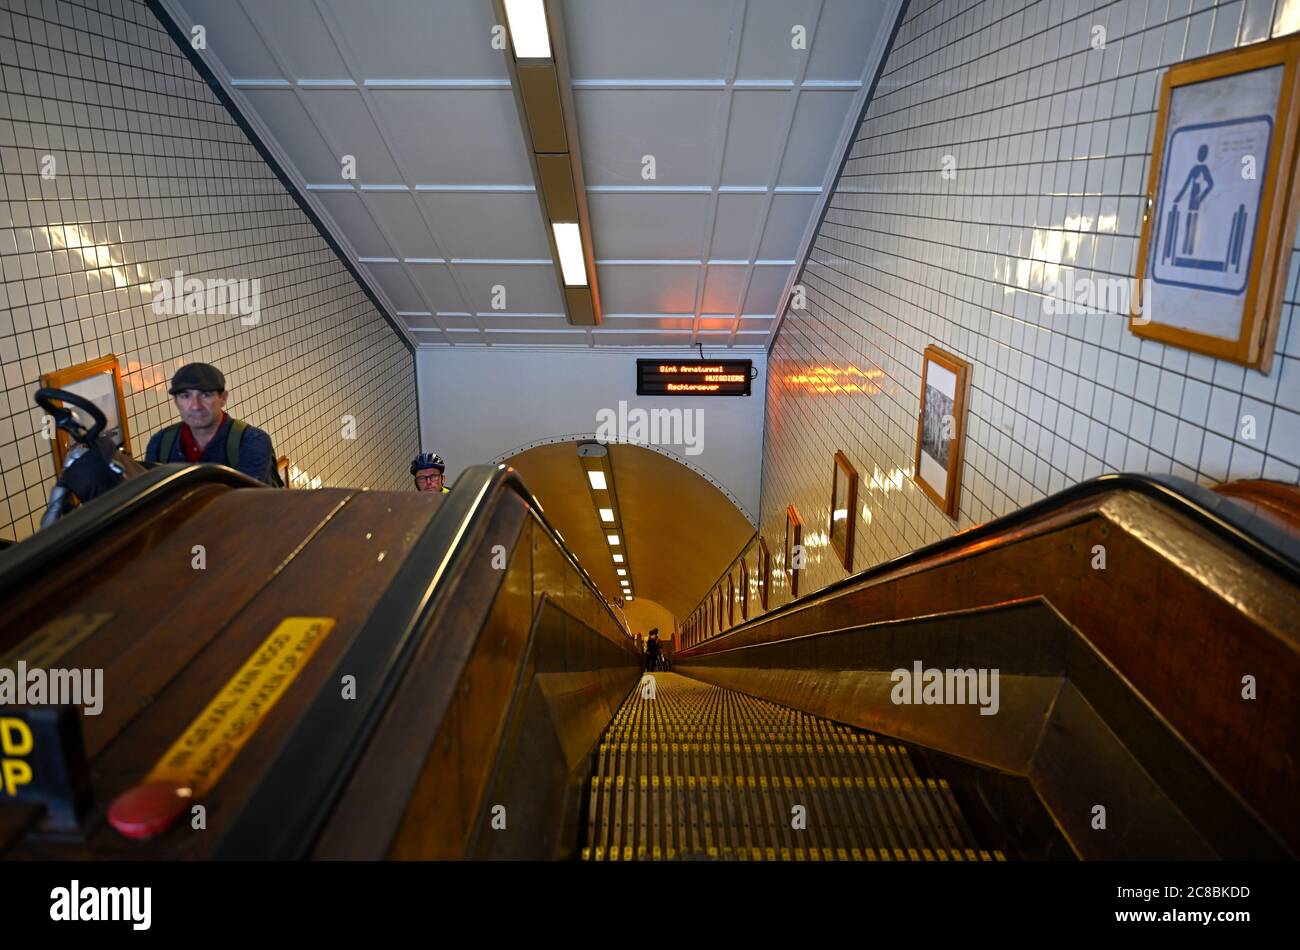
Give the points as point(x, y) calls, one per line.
point(569, 242)
point(622, 571)
point(597, 479)
point(612, 539)
point(607, 514)
point(618, 559)
point(527, 19)
point(627, 597)
point(624, 583)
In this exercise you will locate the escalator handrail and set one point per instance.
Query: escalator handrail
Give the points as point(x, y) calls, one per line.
point(1257, 536)
point(70, 536)
point(326, 743)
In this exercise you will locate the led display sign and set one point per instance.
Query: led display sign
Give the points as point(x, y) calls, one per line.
point(693, 377)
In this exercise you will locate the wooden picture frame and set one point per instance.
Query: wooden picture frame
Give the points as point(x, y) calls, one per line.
point(844, 506)
point(731, 601)
point(764, 568)
point(941, 427)
point(744, 591)
point(100, 381)
point(793, 539)
point(1216, 286)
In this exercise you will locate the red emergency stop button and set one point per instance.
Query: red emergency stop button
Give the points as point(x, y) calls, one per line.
point(147, 810)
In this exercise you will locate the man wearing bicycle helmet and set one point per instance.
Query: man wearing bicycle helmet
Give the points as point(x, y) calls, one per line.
point(427, 470)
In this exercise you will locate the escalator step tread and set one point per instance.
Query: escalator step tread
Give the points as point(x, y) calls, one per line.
point(697, 772)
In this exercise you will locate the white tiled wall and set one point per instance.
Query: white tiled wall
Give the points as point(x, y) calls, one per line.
point(153, 176)
point(1052, 141)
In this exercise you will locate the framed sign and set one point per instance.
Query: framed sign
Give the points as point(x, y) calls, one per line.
point(793, 540)
point(100, 382)
point(1221, 204)
point(764, 568)
point(844, 501)
point(744, 590)
point(941, 429)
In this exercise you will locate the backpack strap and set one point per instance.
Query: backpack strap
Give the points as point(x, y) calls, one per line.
point(169, 437)
point(236, 433)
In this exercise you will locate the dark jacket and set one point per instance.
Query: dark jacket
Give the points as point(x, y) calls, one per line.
point(256, 455)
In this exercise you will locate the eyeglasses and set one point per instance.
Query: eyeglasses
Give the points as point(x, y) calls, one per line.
point(427, 479)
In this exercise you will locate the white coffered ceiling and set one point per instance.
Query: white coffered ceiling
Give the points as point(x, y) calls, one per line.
point(746, 133)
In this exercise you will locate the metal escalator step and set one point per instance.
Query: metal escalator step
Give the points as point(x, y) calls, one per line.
point(700, 771)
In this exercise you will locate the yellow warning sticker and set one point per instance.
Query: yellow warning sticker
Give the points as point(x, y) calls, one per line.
point(203, 752)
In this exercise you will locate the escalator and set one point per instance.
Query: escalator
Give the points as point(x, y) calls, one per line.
point(353, 674)
point(694, 771)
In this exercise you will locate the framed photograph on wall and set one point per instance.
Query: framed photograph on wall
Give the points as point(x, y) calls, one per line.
point(744, 590)
point(793, 539)
point(764, 568)
point(1221, 204)
point(100, 382)
point(941, 429)
point(844, 501)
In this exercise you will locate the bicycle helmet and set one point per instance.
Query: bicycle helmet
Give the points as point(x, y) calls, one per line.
point(428, 460)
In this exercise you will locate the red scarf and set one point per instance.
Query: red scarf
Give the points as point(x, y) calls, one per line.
point(189, 447)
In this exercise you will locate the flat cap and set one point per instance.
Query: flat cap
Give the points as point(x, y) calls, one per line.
point(201, 376)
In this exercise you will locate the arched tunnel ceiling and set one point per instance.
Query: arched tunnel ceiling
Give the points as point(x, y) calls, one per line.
point(679, 531)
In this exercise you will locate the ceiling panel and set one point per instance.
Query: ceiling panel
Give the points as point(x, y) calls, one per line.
point(768, 50)
point(527, 288)
point(300, 37)
point(669, 226)
point(349, 211)
point(234, 39)
point(765, 288)
point(785, 222)
point(399, 216)
point(679, 129)
point(756, 135)
point(665, 39)
point(745, 130)
point(455, 136)
point(419, 39)
point(837, 53)
point(487, 224)
point(345, 122)
point(647, 289)
point(817, 122)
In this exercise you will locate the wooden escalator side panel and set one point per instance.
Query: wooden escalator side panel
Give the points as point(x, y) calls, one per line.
point(327, 553)
point(1276, 501)
point(1181, 615)
point(100, 564)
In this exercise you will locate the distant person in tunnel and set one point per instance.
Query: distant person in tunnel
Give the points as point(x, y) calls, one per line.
point(652, 654)
point(427, 469)
point(206, 433)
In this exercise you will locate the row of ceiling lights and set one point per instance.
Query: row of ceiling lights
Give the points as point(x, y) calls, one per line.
point(540, 80)
point(600, 479)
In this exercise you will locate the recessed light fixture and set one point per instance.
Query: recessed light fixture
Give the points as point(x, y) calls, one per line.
point(622, 571)
point(612, 539)
point(597, 479)
point(527, 19)
point(624, 583)
point(568, 240)
point(618, 559)
point(607, 514)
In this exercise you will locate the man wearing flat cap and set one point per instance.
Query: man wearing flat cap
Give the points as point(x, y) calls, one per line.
point(206, 434)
